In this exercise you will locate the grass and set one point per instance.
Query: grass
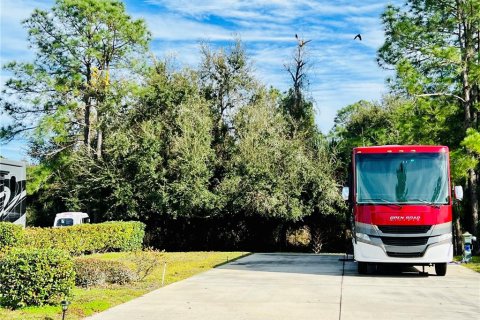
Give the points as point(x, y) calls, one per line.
point(474, 264)
point(85, 302)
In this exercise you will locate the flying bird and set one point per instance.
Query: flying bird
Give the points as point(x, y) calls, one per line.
point(359, 36)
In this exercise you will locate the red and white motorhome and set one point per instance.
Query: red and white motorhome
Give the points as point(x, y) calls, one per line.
point(402, 206)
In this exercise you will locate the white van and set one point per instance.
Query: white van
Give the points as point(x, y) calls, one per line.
point(66, 219)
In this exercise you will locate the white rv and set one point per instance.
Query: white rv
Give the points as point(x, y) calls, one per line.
point(66, 219)
point(13, 191)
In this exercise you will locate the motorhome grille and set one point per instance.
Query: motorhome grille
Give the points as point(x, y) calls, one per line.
point(405, 254)
point(404, 241)
point(404, 229)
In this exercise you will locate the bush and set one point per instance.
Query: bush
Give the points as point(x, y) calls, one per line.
point(146, 261)
point(10, 234)
point(87, 238)
point(89, 273)
point(95, 272)
point(118, 273)
point(35, 277)
point(124, 236)
point(299, 237)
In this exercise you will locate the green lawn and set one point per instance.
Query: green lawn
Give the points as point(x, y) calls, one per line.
point(85, 302)
point(474, 264)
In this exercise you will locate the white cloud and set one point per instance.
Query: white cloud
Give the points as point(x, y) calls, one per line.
point(330, 98)
point(345, 7)
point(13, 40)
point(265, 10)
point(343, 70)
point(14, 150)
point(371, 30)
point(185, 53)
point(176, 28)
point(231, 9)
point(3, 78)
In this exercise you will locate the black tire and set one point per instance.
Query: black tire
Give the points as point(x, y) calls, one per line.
point(362, 267)
point(441, 269)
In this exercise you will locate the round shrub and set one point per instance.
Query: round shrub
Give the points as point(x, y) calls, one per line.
point(118, 273)
point(33, 277)
point(10, 234)
point(95, 272)
point(89, 272)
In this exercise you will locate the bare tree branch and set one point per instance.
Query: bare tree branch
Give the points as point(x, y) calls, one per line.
point(440, 94)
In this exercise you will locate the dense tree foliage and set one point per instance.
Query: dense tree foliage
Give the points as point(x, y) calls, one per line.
point(83, 49)
point(363, 124)
point(204, 156)
point(435, 49)
point(208, 157)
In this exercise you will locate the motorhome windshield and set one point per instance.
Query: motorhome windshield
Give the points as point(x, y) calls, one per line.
point(64, 222)
point(402, 178)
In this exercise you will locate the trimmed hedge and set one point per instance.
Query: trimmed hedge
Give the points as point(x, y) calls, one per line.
point(33, 277)
point(88, 238)
point(10, 234)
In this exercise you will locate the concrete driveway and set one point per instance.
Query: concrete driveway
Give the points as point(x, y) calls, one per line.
point(306, 286)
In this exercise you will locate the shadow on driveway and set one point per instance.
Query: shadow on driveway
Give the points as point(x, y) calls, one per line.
point(320, 264)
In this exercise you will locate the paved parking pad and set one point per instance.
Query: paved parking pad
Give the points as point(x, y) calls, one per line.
point(308, 286)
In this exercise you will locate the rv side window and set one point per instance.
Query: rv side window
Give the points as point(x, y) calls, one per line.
point(86, 220)
point(13, 185)
point(64, 222)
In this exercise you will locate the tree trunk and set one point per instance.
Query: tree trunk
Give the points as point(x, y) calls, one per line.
point(466, 99)
point(283, 237)
point(458, 235)
point(472, 177)
point(467, 46)
point(87, 135)
point(99, 143)
point(86, 130)
point(473, 186)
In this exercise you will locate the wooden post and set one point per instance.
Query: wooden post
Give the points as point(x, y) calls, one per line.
point(163, 275)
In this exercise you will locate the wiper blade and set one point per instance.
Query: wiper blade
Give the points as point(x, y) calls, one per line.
point(426, 202)
point(383, 200)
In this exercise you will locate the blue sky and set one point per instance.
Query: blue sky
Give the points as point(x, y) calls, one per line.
point(342, 70)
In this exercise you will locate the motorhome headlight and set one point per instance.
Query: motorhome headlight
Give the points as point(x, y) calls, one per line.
point(362, 236)
point(446, 236)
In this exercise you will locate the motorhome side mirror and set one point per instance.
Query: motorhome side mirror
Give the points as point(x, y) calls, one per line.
point(458, 190)
point(345, 193)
